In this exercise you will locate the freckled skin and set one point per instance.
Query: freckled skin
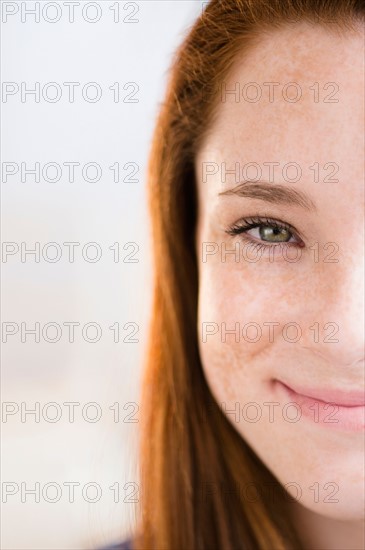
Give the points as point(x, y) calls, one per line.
point(306, 291)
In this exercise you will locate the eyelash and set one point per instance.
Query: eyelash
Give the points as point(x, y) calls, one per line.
point(245, 224)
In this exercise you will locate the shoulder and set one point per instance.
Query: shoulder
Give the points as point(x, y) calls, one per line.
point(125, 545)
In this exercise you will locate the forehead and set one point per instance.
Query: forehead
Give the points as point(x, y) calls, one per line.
point(293, 96)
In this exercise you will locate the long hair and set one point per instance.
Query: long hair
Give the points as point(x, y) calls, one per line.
point(193, 462)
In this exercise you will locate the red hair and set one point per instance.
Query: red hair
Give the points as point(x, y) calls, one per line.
point(191, 455)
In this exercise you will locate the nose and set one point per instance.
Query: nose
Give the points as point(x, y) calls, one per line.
point(340, 312)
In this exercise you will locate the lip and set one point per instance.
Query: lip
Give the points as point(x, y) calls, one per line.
point(331, 408)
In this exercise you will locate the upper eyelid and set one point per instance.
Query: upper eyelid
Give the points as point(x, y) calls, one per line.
point(257, 220)
point(265, 220)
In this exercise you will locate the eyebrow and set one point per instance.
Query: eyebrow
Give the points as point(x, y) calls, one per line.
point(269, 192)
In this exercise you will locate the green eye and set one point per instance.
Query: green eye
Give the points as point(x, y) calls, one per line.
point(274, 234)
point(265, 230)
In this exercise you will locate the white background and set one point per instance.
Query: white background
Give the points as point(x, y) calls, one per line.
point(37, 450)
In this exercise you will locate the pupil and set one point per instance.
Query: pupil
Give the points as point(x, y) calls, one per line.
point(274, 234)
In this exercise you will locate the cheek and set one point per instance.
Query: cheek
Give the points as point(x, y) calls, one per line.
point(239, 368)
point(239, 311)
point(249, 312)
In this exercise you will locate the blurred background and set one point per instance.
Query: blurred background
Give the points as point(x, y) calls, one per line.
point(81, 86)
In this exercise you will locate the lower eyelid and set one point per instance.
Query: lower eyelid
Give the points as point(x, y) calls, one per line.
point(265, 249)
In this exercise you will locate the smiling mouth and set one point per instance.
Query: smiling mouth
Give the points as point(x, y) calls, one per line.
point(332, 408)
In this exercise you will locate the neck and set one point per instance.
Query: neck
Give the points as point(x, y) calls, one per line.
point(320, 532)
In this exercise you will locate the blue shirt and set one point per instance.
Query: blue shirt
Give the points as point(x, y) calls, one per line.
point(125, 545)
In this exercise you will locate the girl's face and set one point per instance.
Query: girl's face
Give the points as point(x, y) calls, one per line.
point(280, 315)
